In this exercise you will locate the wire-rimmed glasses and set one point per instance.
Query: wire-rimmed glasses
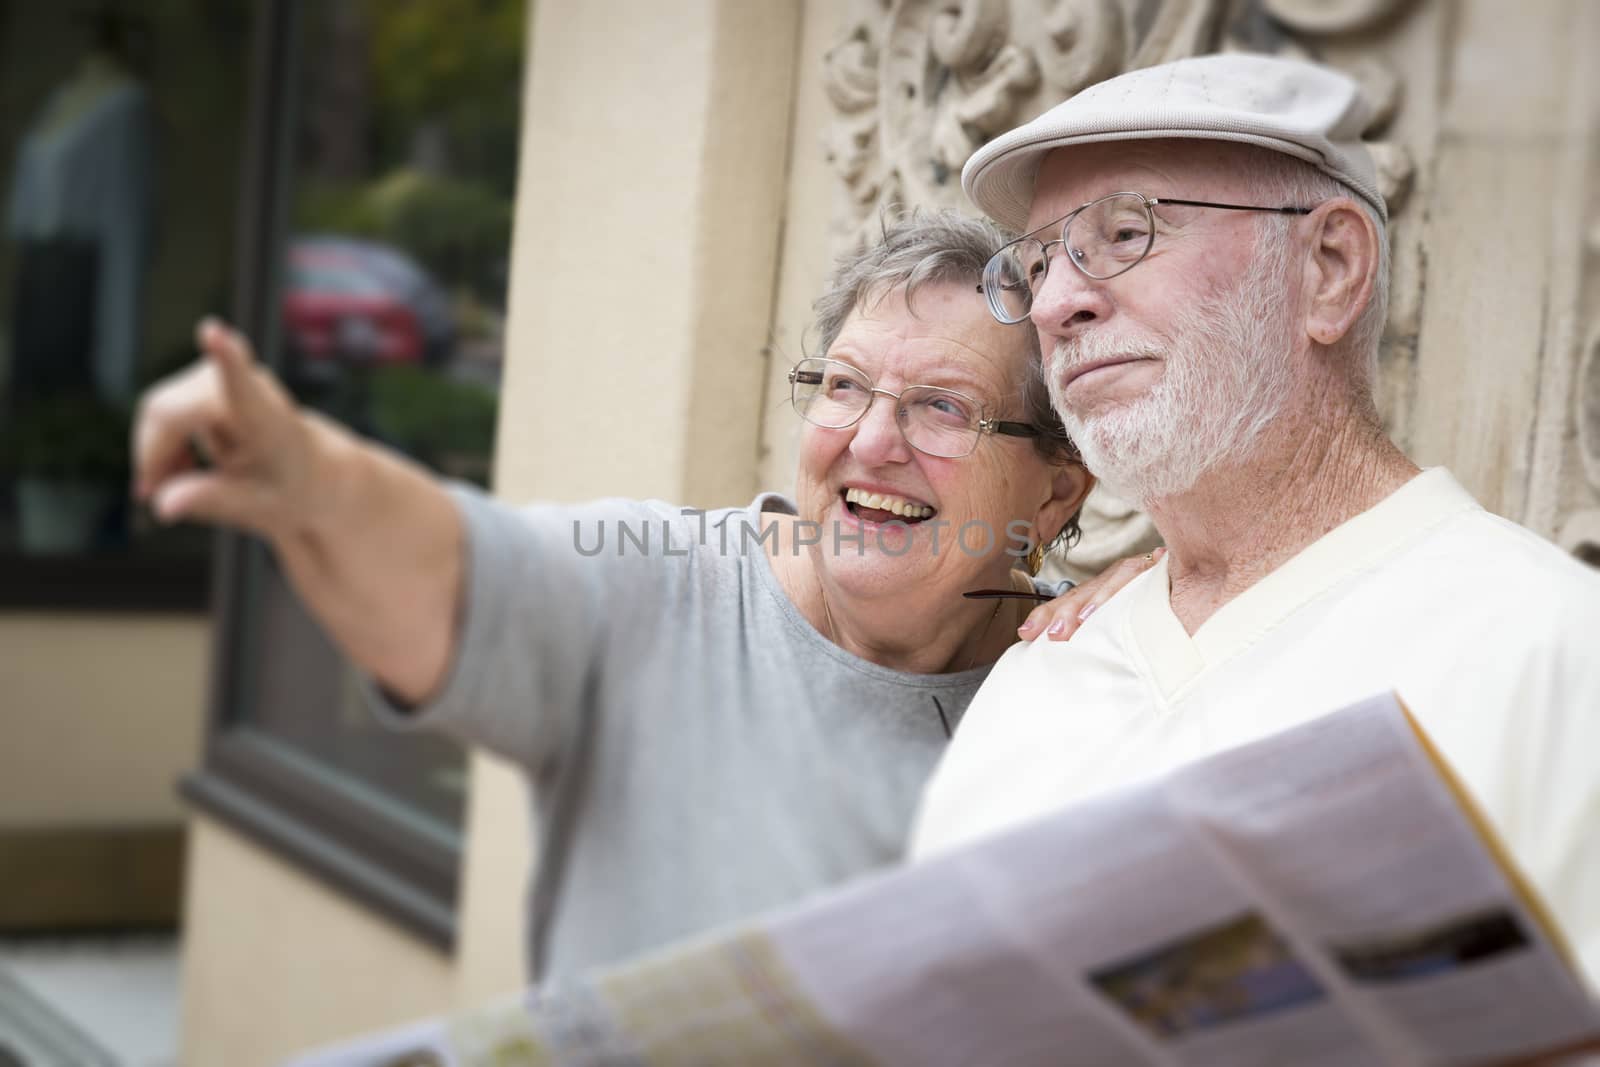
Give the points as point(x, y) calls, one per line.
point(936, 421)
point(1103, 238)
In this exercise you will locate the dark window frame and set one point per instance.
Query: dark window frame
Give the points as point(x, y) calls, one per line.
point(105, 583)
point(250, 782)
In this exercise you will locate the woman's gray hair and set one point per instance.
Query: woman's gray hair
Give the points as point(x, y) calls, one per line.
point(923, 247)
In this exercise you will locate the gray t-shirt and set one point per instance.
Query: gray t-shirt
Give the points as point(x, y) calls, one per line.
point(698, 751)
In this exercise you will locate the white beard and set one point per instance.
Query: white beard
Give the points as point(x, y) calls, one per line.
point(1226, 376)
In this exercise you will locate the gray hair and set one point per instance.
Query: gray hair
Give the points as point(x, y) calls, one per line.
point(942, 247)
point(1281, 179)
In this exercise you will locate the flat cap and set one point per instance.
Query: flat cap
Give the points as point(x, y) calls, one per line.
point(1300, 109)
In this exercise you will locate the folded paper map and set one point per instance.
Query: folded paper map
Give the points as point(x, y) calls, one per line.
point(1324, 897)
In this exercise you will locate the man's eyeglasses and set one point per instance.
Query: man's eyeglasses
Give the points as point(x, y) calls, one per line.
point(938, 422)
point(1103, 238)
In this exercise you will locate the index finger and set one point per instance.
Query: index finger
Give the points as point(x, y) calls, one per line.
point(229, 350)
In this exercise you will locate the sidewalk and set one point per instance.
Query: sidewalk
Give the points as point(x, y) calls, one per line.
point(109, 1001)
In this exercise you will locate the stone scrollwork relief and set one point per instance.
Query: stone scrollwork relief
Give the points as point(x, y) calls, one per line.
point(1333, 16)
point(851, 146)
point(1588, 413)
point(918, 85)
point(1580, 533)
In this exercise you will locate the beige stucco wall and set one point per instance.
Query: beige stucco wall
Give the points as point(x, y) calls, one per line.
point(649, 208)
point(812, 198)
point(274, 962)
point(101, 714)
point(649, 212)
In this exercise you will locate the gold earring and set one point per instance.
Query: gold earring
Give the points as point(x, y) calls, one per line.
point(1035, 557)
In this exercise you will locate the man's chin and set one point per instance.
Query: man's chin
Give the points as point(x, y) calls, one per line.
point(1102, 413)
point(1108, 421)
point(1130, 460)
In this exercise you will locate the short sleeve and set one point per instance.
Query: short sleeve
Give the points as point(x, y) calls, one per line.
point(540, 590)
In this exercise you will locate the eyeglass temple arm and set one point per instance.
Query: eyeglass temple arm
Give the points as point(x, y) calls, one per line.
point(1225, 207)
point(1004, 594)
point(1012, 429)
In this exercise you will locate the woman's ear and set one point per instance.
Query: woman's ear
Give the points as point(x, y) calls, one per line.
point(1343, 269)
point(1069, 485)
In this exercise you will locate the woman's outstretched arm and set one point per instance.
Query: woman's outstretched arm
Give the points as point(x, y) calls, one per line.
point(370, 541)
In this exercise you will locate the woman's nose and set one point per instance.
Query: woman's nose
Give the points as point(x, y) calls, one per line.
point(878, 438)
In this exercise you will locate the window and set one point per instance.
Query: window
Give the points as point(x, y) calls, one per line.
point(121, 140)
point(388, 141)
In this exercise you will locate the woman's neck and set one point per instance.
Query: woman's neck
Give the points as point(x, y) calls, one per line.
point(971, 638)
point(926, 631)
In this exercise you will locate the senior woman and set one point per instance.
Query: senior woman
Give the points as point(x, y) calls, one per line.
point(718, 712)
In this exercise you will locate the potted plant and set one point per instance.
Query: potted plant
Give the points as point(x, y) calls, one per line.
point(67, 456)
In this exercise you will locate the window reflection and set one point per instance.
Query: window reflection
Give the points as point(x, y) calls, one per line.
point(351, 302)
point(80, 216)
point(391, 306)
point(119, 176)
point(394, 277)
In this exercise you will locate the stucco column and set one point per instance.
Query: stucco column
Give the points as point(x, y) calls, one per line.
point(649, 206)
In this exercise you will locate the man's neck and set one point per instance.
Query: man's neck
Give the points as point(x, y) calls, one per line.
point(1314, 470)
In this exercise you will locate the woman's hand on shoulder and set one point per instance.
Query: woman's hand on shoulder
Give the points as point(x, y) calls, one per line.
point(1060, 618)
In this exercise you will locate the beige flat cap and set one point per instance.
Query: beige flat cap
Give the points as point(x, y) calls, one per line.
point(1297, 108)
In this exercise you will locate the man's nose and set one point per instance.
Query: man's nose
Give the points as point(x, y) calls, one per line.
point(878, 438)
point(1067, 300)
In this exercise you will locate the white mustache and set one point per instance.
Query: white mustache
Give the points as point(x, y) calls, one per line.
point(1069, 354)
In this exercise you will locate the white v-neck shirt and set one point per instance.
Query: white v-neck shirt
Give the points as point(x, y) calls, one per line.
point(1490, 634)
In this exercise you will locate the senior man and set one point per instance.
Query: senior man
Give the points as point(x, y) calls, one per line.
point(1205, 262)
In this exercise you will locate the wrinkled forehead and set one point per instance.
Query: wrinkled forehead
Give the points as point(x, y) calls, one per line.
point(1190, 169)
point(936, 334)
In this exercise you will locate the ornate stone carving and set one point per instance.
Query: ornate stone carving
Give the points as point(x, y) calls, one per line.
point(1580, 532)
point(1588, 408)
point(1320, 17)
point(1083, 43)
point(918, 85)
point(851, 82)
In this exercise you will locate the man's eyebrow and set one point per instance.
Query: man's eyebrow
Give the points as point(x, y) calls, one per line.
point(1053, 223)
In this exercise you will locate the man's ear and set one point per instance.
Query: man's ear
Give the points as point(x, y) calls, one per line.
point(1069, 485)
point(1343, 270)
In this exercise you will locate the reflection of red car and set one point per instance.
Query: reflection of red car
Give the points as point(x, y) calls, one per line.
point(350, 301)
